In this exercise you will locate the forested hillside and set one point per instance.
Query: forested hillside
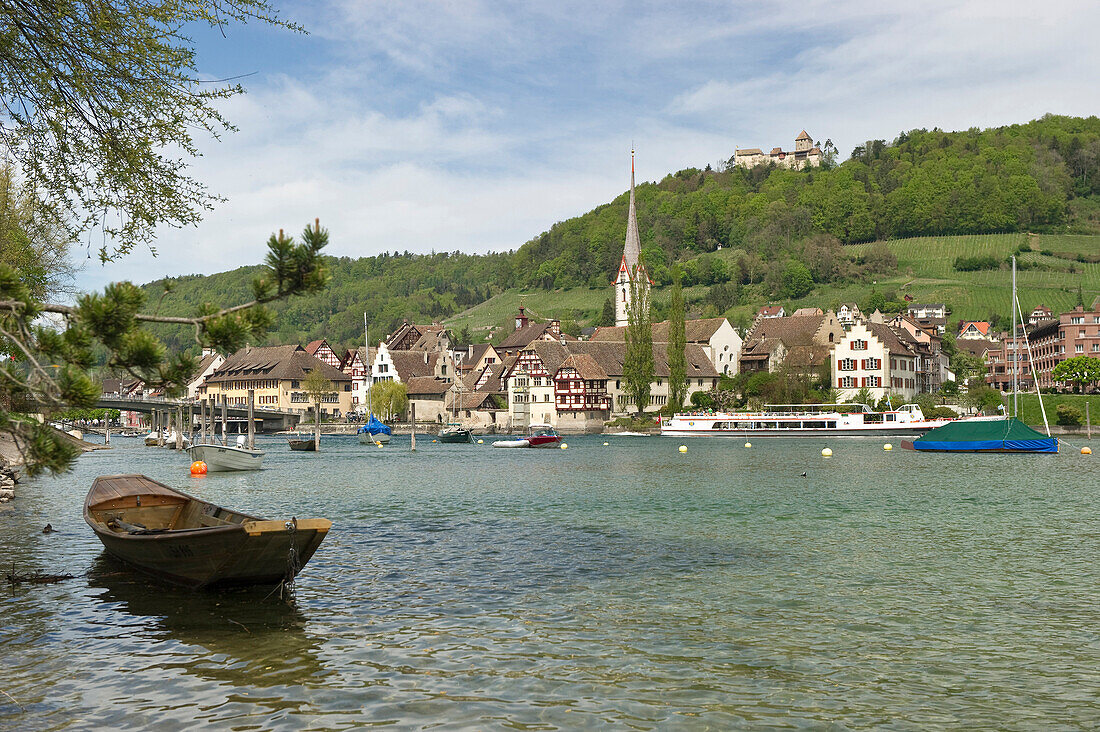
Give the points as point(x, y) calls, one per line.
point(739, 237)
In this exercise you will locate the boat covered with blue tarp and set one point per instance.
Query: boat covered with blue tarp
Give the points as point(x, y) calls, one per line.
point(986, 435)
point(374, 431)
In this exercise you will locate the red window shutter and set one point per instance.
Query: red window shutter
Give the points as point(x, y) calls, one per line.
point(839, 383)
point(840, 364)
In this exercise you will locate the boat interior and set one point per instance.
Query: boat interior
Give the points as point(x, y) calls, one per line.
point(159, 510)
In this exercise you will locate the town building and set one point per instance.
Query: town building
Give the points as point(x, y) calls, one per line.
point(354, 364)
point(208, 364)
point(276, 374)
point(933, 365)
point(474, 358)
point(1039, 314)
point(929, 315)
point(412, 337)
point(527, 332)
point(1006, 358)
point(323, 351)
point(800, 343)
point(873, 356)
point(848, 313)
point(805, 154)
point(718, 339)
point(771, 311)
point(542, 377)
point(632, 276)
point(974, 330)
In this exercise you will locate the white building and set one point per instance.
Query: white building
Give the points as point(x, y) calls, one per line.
point(872, 355)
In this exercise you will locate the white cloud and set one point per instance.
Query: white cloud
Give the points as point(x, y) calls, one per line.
point(473, 125)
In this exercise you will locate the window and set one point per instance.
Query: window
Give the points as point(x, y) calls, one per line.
point(859, 345)
point(1076, 321)
point(847, 364)
point(846, 382)
point(1079, 348)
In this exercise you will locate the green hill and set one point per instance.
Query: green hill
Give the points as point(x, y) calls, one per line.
point(890, 221)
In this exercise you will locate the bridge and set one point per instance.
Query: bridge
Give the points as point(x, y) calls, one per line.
point(267, 420)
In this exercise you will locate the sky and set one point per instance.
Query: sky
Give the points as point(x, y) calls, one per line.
point(475, 125)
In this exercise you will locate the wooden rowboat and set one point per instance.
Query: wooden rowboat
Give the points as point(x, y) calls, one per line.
point(183, 539)
point(300, 445)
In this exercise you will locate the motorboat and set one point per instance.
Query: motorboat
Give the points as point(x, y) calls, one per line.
point(224, 458)
point(538, 435)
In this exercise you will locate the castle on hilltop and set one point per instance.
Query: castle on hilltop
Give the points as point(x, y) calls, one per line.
point(805, 154)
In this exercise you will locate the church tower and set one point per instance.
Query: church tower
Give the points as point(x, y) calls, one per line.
point(631, 269)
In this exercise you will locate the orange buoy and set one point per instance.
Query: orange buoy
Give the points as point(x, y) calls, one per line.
point(198, 468)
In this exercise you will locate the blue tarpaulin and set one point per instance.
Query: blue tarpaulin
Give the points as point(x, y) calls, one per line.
point(1000, 435)
point(374, 427)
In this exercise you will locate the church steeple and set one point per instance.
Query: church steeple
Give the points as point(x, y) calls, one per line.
point(631, 270)
point(633, 249)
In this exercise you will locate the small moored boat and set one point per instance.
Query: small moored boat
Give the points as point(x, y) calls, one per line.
point(455, 434)
point(538, 435)
point(183, 539)
point(300, 444)
point(374, 431)
point(222, 458)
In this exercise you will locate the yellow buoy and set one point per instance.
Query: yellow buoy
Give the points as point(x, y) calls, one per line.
point(379, 444)
point(564, 446)
point(605, 444)
point(198, 468)
point(481, 442)
point(433, 440)
point(683, 448)
point(826, 452)
point(887, 447)
point(1086, 450)
point(748, 444)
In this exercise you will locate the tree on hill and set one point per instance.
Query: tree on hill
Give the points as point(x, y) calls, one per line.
point(1079, 371)
point(607, 315)
point(638, 361)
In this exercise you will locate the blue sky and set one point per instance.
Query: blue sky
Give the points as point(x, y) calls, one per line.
point(474, 126)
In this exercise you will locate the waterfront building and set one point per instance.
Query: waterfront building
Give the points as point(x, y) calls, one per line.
point(275, 374)
point(718, 339)
point(542, 377)
point(874, 356)
point(1075, 333)
point(805, 154)
point(999, 361)
point(933, 365)
point(632, 273)
point(354, 364)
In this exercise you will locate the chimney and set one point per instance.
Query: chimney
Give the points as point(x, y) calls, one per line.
point(521, 319)
point(555, 327)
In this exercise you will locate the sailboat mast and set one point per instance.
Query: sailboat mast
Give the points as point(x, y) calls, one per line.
point(1015, 349)
point(366, 366)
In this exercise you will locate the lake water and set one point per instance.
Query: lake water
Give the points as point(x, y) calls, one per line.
point(623, 586)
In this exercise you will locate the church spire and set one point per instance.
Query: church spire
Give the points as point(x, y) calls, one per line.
point(633, 249)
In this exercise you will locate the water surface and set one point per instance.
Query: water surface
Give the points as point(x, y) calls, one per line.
point(623, 586)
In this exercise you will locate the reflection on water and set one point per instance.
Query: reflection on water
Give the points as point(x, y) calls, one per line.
point(624, 586)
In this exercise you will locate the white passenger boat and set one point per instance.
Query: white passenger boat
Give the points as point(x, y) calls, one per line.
point(803, 420)
point(223, 458)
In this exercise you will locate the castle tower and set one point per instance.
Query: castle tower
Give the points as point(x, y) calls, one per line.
point(631, 270)
point(803, 142)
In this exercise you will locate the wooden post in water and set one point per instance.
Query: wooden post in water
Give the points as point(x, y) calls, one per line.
point(179, 428)
point(225, 419)
point(1088, 422)
point(161, 420)
point(413, 408)
point(251, 421)
point(317, 426)
point(107, 438)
